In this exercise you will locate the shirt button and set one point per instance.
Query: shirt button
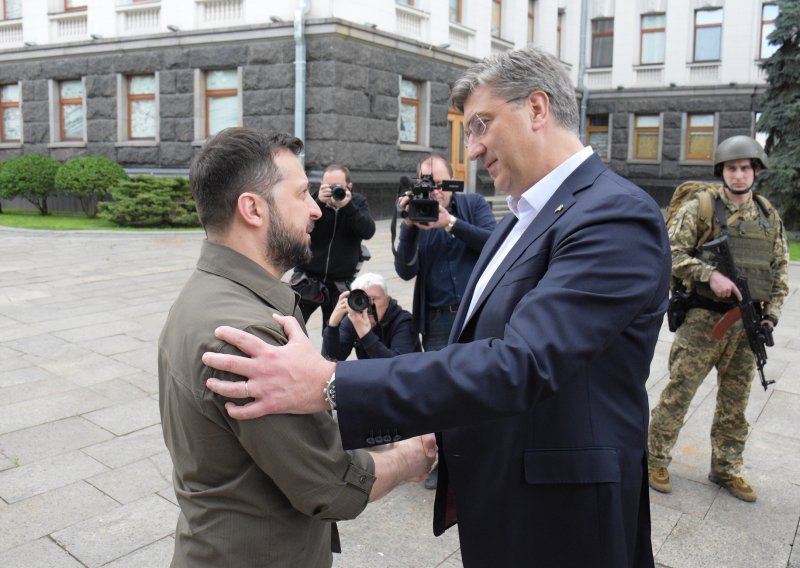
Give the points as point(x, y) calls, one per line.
point(362, 480)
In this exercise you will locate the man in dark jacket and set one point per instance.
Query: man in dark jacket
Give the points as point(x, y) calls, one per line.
point(335, 243)
point(383, 329)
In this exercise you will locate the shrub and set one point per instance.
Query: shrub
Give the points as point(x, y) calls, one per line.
point(32, 177)
point(89, 179)
point(147, 201)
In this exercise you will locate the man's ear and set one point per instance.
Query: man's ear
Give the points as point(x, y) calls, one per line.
point(252, 209)
point(538, 108)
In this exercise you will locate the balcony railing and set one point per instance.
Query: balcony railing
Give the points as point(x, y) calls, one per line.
point(10, 33)
point(704, 74)
point(598, 78)
point(649, 76)
point(412, 23)
point(461, 38)
point(68, 26)
point(211, 13)
point(138, 18)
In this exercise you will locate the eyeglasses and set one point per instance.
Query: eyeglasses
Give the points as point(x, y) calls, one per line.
point(478, 125)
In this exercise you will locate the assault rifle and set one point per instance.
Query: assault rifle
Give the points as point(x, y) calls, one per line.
point(759, 335)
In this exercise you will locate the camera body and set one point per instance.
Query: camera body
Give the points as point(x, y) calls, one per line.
point(422, 208)
point(338, 192)
point(358, 300)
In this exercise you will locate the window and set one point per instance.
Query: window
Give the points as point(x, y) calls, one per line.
point(222, 100)
point(71, 116)
point(597, 133)
point(707, 34)
point(653, 39)
point(646, 136)
point(531, 7)
point(497, 18)
point(602, 41)
point(410, 107)
point(559, 27)
point(405, 2)
point(699, 136)
point(74, 5)
point(141, 116)
point(10, 117)
point(769, 12)
point(10, 9)
point(456, 10)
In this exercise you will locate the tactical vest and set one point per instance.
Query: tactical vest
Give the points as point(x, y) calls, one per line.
point(751, 244)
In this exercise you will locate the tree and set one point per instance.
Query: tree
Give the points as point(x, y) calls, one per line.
point(31, 176)
point(89, 179)
point(780, 116)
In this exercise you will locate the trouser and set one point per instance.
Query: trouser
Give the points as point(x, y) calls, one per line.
point(694, 353)
point(438, 324)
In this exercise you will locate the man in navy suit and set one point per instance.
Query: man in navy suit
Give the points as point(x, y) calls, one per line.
point(540, 396)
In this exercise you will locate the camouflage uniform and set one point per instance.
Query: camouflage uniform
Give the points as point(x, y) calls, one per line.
point(694, 352)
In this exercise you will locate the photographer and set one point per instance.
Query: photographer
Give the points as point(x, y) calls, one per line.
point(335, 243)
point(369, 319)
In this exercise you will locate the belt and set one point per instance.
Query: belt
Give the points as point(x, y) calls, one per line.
point(697, 301)
point(439, 309)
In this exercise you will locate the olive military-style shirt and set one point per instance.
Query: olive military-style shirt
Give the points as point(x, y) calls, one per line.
point(261, 492)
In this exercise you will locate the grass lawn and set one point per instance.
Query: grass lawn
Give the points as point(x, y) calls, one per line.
point(59, 221)
point(794, 250)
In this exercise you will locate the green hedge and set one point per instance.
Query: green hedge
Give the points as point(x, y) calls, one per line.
point(32, 177)
point(147, 201)
point(89, 179)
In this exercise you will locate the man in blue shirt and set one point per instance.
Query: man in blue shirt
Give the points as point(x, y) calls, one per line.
point(441, 256)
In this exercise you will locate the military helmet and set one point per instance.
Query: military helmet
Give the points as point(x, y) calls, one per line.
point(738, 148)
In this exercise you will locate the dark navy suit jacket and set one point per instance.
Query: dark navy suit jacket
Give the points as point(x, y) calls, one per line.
point(540, 398)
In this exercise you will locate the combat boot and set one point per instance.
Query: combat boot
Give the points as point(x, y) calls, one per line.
point(658, 477)
point(736, 486)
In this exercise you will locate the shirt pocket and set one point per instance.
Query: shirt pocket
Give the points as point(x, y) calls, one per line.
point(572, 466)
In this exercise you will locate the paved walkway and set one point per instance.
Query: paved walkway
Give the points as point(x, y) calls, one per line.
point(85, 478)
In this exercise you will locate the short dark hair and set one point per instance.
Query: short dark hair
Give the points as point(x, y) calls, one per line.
point(234, 161)
point(338, 167)
point(439, 157)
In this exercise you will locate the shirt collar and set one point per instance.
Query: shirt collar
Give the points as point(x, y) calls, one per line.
point(535, 198)
point(227, 263)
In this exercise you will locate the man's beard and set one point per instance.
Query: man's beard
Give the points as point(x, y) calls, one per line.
point(285, 249)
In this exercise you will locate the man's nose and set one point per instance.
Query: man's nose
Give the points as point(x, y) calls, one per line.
point(474, 148)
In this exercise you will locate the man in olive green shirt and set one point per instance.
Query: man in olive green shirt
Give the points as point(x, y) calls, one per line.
point(262, 492)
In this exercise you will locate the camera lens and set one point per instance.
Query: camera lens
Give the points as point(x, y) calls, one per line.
point(338, 192)
point(358, 300)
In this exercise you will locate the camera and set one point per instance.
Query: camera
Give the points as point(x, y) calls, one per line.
point(338, 192)
point(358, 300)
point(422, 208)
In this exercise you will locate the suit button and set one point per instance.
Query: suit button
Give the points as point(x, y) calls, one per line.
point(387, 438)
point(371, 441)
point(397, 438)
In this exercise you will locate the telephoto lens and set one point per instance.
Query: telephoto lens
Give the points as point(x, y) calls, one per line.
point(338, 192)
point(358, 300)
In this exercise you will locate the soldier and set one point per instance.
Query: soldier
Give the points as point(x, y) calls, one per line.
point(761, 254)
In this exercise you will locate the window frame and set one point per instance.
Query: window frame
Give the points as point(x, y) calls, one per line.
point(460, 9)
point(417, 103)
point(591, 129)
point(761, 31)
point(598, 36)
point(68, 8)
point(706, 26)
point(126, 109)
point(688, 130)
point(499, 5)
point(531, 31)
point(643, 31)
point(201, 117)
point(562, 14)
point(71, 101)
point(11, 104)
point(636, 131)
point(4, 12)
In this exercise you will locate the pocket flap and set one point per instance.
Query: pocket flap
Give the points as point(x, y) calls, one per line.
point(572, 465)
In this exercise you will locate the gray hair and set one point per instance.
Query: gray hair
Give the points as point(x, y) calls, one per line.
point(369, 279)
point(515, 74)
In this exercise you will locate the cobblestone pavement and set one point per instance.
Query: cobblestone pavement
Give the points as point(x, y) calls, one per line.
point(85, 477)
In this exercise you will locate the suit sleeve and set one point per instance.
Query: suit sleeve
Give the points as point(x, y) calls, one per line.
point(584, 269)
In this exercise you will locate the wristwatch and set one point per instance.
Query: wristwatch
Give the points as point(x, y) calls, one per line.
point(451, 223)
point(329, 391)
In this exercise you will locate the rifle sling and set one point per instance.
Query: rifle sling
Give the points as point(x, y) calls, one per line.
point(725, 322)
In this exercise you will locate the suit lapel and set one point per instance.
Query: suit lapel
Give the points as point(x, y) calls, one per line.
point(558, 204)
